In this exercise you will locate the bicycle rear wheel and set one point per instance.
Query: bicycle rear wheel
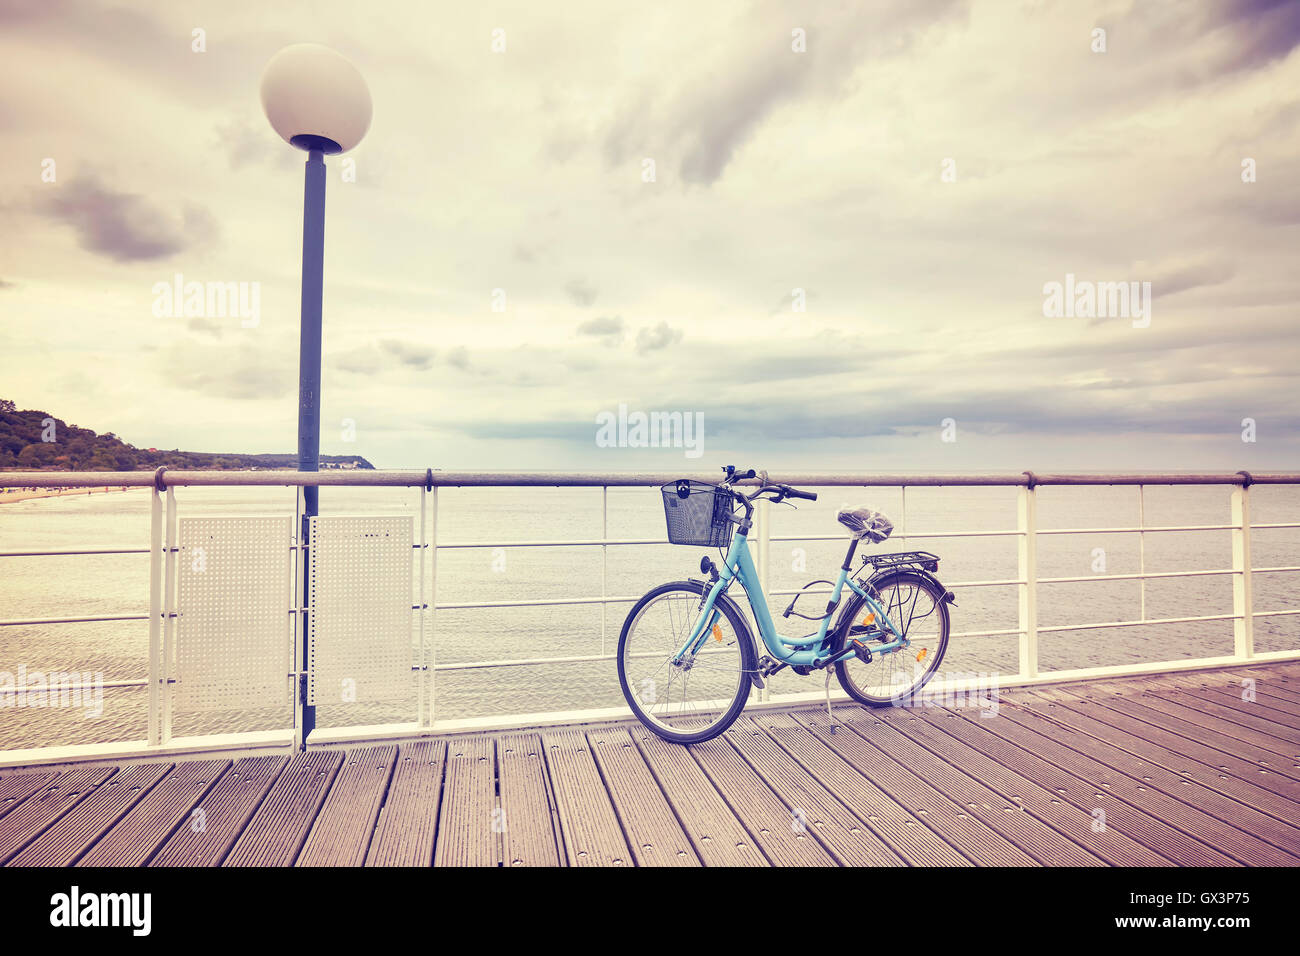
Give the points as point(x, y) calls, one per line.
point(915, 604)
point(692, 700)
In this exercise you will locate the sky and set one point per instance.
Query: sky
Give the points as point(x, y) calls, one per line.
point(841, 261)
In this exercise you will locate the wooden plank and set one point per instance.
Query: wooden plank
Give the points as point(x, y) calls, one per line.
point(1226, 797)
point(1181, 810)
point(848, 839)
point(39, 811)
point(217, 821)
point(1035, 837)
point(135, 838)
point(717, 835)
point(277, 831)
point(1263, 731)
point(983, 845)
point(588, 823)
point(341, 834)
point(759, 807)
point(408, 819)
point(1138, 809)
point(528, 812)
point(470, 825)
point(17, 787)
point(1076, 820)
point(1267, 682)
point(91, 818)
point(1283, 712)
point(1272, 793)
point(908, 834)
point(1218, 734)
point(649, 822)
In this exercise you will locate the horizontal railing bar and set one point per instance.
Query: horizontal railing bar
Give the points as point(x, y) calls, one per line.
point(61, 688)
point(1140, 529)
point(786, 592)
point(1133, 577)
point(72, 620)
point(556, 543)
point(413, 479)
point(1160, 620)
point(43, 554)
point(909, 535)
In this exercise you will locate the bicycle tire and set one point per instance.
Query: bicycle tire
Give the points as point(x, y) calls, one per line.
point(851, 610)
point(749, 663)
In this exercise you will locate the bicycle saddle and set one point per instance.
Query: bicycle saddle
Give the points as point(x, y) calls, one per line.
point(863, 522)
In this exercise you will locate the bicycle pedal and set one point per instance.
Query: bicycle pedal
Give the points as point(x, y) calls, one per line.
point(861, 651)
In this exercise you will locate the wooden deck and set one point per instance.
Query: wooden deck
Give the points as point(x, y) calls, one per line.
point(1163, 770)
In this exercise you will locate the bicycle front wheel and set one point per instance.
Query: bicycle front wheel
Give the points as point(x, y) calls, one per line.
point(697, 698)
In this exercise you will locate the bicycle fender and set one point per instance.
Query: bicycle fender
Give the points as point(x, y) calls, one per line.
point(948, 596)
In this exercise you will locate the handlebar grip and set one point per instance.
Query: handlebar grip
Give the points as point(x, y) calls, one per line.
point(796, 493)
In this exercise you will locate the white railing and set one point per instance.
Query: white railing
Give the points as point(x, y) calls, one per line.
point(163, 550)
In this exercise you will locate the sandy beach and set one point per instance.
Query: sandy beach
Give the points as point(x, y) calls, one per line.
point(24, 494)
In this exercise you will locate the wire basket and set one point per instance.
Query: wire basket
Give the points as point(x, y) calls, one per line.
point(698, 514)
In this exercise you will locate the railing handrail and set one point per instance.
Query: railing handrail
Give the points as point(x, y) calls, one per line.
point(165, 478)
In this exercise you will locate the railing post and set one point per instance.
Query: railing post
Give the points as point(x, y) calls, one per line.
point(763, 529)
point(422, 684)
point(1142, 551)
point(169, 619)
point(1243, 598)
point(1027, 525)
point(155, 617)
point(604, 563)
point(433, 608)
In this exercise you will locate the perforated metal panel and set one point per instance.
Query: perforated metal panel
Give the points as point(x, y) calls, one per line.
point(359, 629)
point(234, 632)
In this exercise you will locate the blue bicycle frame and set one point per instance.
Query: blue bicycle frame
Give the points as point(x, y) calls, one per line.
point(809, 650)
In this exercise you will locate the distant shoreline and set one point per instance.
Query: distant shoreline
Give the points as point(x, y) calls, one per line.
point(26, 494)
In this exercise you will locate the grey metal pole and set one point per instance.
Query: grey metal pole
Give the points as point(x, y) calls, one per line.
point(309, 375)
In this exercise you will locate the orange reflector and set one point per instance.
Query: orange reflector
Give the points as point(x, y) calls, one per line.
point(717, 633)
point(920, 657)
point(869, 619)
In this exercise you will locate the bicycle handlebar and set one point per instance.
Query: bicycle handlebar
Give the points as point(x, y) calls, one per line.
point(782, 491)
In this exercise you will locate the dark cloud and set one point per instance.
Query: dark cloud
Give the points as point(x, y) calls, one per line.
point(716, 110)
point(127, 227)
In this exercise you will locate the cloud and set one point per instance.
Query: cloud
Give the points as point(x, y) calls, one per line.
point(237, 371)
point(659, 337)
point(737, 86)
point(608, 329)
point(127, 227)
point(408, 354)
point(581, 293)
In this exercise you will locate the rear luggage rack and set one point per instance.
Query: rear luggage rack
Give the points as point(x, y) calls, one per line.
point(923, 559)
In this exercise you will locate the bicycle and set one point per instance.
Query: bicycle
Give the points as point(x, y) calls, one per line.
point(687, 649)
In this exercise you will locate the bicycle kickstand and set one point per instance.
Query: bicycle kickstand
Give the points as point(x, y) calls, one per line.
point(830, 718)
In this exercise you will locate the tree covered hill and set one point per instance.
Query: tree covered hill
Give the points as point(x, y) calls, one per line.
point(36, 439)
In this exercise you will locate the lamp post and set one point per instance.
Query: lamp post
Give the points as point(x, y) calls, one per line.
point(317, 101)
